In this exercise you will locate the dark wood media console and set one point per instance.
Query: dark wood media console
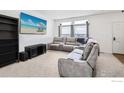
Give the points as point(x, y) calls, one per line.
point(35, 50)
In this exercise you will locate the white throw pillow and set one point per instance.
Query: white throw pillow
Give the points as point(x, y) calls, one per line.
point(76, 54)
point(79, 51)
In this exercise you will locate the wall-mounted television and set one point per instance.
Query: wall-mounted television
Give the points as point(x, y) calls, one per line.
point(32, 25)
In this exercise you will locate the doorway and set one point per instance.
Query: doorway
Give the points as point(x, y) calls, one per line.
point(118, 40)
point(118, 37)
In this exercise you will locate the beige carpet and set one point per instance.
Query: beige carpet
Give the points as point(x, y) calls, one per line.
point(109, 66)
point(46, 66)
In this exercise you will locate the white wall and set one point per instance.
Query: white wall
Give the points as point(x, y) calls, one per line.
point(30, 39)
point(100, 28)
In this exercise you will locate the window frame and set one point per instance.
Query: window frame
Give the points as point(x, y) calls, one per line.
point(87, 32)
point(72, 29)
point(61, 30)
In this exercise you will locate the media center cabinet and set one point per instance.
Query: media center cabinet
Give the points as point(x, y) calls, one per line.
point(9, 43)
point(32, 51)
point(8, 40)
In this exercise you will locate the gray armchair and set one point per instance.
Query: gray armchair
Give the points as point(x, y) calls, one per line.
point(79, 68)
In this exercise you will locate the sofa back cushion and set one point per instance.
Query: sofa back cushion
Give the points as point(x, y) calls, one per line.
point(87, 50)
point(93, 56)
point(58, 40)
point(70, 41)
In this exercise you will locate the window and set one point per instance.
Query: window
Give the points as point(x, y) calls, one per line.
point(80, 31)
point(77, 29)
point(80, 28)
point(65, 29)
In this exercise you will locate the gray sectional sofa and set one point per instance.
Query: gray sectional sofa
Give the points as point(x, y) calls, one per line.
point(64, 44)
point(83, 65)
point(81, 60)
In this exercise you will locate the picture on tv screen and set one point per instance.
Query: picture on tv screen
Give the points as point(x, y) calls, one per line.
point(32, 25)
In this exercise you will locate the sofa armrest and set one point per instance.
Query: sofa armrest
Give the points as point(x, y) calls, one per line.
point(48, 45)
point(71, 68)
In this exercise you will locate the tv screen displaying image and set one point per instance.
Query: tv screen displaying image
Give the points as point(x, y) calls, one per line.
point(32, 25)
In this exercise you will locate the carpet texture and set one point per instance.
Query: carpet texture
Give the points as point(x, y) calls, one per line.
point(109, 66)
point(47, 66)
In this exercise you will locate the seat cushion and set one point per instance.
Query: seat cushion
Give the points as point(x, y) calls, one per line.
point(87, 50)
point(76, 54)
point(68, 48)
point(78, 51)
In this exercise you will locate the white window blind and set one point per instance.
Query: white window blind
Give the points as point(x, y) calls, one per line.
point(77, 29)
point(80, 30)
point(65, 31)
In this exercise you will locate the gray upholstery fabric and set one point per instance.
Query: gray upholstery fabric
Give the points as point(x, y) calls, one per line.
point(58, 40)
point(87, 50)
point(54, 46)
point(81, 68)
point(93, 56)
point(64, 44)
point(70, 41)
point(68, 48)
point(69, 68)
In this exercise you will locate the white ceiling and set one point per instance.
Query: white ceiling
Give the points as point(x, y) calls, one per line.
point(61, 14)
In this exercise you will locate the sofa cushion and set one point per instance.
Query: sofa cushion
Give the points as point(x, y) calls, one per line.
point(78, 51)
point(87, 50)
point(93, 56)
point(68, 48)
point(76, 54)
point(70, 41)
point(58, 40)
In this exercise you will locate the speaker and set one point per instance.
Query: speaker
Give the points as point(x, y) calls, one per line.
point(23, 56)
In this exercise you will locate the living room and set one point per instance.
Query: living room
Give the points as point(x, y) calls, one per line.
point(61, 46)
point(67, 27)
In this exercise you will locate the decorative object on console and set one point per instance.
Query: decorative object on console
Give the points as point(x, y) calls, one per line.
point(32, 25)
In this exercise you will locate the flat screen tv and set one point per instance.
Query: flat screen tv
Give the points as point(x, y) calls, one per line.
point(32, 25)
